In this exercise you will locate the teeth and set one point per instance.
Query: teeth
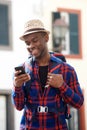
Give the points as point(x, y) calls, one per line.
point(31, 49)
point(46, 86)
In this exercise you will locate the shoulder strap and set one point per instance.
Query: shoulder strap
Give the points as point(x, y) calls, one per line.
point(59, 55)
point(31, 62)
point(66, 106)
point(27, 85)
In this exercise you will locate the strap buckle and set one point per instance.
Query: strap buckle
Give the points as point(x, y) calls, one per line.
point(43, 109)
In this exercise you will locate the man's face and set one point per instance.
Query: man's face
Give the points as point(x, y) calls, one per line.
point(36, 44)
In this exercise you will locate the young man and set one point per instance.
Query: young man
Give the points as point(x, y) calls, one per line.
point(47, 86)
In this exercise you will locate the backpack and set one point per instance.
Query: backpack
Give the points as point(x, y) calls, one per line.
point(26, 92)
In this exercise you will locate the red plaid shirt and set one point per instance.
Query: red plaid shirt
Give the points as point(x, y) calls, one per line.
point(70, 93)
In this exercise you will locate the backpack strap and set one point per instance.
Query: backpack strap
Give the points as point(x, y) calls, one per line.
point(66, 107)
point(27, 85)
point(59, 55)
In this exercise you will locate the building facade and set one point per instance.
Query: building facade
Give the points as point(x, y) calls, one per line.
point(13, 15)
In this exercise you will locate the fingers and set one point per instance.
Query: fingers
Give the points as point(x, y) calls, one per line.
point(21, 76)
point(16, 73)
point(49, 78)
point(20, 79)
point(55, 80)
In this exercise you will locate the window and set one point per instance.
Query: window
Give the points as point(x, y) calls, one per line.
point(6, 110)
point(66, 32)
point(77, 120)
point(73, 123)
point(3, 110)
point(5, 25)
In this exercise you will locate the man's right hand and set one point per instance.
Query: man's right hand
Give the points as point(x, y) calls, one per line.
point(20, 79)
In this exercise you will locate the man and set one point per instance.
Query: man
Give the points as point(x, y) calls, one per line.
point(47, 86)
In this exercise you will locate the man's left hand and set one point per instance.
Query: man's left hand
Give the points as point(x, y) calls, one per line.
point(55, 80)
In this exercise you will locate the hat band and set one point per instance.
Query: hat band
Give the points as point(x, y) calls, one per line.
point(35, 29)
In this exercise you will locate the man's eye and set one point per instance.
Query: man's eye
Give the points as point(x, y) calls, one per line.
point(27, 43)
point(35, 40)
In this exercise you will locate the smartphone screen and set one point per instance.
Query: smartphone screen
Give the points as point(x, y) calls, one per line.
point(20, 68)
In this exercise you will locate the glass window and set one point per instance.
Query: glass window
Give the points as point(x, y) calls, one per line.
point(66, 32)
point(6, 110)
point(3, 112)
point(73, 123)
point(5, 25)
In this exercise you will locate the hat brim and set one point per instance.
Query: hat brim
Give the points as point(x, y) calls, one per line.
point(27, 33)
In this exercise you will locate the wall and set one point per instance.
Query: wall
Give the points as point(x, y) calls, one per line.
point(22, 10)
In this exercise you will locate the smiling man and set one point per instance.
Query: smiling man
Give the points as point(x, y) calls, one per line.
point(47, 85)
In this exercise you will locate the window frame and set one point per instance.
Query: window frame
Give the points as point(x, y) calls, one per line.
point(9, 45)
point(9, 109)
point(78, 13)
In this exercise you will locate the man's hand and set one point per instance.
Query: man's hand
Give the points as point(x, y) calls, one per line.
point(55, 80)
point(20, 79)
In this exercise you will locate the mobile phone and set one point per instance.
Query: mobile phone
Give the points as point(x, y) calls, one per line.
point(21, 69)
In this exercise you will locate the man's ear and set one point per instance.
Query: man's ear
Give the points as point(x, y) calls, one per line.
point(46, 37)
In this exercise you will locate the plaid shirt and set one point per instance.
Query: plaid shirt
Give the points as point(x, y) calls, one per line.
point(69, 93)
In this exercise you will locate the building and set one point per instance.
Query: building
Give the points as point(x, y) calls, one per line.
point(13, 14)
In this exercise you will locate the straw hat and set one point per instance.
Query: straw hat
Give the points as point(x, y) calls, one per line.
point(33, 26)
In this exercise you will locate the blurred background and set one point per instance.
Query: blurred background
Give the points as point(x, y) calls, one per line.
point(67, 22)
